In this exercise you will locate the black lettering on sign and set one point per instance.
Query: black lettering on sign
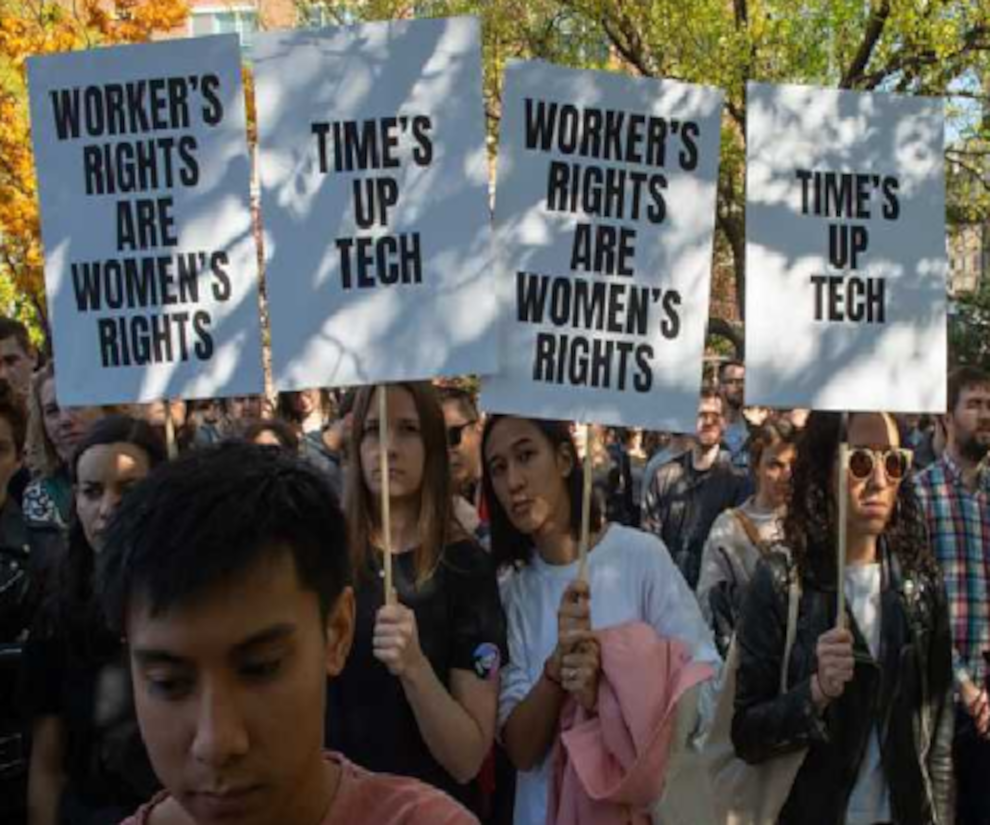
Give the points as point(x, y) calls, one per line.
point(605, 249)
point(139, 340)
point(373, 198)
point(134, 107)
point(848, 195)
point(845, 244)
point(149, 281)
point(373, 144)
point(859, 299)
point(606, 192)
point(580, 361)
point(145, 223)
point(129, 167)
point(367, 262)
point(607, 134)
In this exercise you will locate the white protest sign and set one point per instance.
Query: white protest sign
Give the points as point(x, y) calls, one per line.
point(604, 220)
point(374, 181)
point(845, 251)
point(151, 264)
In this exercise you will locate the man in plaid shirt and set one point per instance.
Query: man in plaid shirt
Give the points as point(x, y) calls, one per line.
point(955, 496)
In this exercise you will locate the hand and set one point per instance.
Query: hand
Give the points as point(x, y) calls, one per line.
point(396, 640)
point(977, 706)
point(574, 615)
point(581, 668)
point(836, 664)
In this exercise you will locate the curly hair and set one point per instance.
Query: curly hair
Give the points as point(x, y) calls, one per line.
point(810, 524)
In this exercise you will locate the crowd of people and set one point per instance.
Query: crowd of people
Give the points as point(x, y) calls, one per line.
point(196, 625)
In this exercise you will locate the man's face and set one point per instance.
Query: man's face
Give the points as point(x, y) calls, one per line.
point(733, 384)
point(710, 423)
point(15, 366)
point(969, 423)
point(230, 694)
point(245, 407)
point(465, 456)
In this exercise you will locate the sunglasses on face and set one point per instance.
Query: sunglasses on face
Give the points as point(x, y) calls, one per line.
point(896, 461)
point(455, 434)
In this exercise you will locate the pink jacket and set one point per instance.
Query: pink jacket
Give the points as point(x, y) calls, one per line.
point(609, 766)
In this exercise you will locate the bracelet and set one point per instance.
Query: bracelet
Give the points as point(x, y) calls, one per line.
point(822, 691)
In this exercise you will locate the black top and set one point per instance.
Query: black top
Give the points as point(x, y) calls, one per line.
point(680, 503)
point(82, 678)
point(461, 626)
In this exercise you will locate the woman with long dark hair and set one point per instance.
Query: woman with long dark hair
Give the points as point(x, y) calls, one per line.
point(532, 483)
point(87, 763)
point(418, 695)
point(870, 697)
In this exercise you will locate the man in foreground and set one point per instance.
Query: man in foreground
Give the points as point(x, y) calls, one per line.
point(227, 572)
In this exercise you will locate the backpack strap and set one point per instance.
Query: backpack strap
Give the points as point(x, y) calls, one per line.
point(750, 530)
point(793, 602)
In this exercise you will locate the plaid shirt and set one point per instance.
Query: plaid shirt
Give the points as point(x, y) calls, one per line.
point(959, 526)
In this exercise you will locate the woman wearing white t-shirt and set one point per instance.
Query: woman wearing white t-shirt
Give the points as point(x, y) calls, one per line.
point(532, 484)
point(870, 701)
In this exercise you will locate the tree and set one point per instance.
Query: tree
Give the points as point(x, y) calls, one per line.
point(36, 27)
point(924, 47)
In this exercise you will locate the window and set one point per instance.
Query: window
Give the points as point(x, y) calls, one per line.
point(239, 20)
point(319, 14)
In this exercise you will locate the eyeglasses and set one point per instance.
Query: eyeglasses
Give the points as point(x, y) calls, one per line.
point(455, 434)
point(896, 461)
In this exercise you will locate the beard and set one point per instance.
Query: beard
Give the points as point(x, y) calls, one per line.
point(975, 447)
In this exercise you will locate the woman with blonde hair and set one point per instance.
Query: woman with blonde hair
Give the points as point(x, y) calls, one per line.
point(53, 434)
point(419, 694)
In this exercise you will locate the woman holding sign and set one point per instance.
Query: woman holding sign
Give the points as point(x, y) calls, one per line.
point(87, 762)
point(418, 695)
point(532, 484)
point(870, 696)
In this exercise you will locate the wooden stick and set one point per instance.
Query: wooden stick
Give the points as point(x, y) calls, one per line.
point(170, 445)
point(586, 503)
point(385, 508)
point(843, 496)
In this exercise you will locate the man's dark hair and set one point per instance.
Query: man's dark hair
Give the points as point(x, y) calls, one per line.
point(962, 378)
point(212, 514)
point(708, 392)
point(282, 431)
point(10, 328)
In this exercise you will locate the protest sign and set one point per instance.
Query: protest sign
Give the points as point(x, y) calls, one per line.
point(845, 251)
point(374, 178)
point(150, 261)
point(604, 218)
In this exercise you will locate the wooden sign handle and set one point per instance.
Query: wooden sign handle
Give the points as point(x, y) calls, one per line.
point(843, 509)
point(171, 446)
point(385, 500)
point(586, 503)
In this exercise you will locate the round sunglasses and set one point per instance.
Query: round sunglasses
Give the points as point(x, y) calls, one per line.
point(896, 461)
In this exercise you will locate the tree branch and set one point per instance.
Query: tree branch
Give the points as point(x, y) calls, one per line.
point(874, 29)
point(631, 51)
point(972, 42)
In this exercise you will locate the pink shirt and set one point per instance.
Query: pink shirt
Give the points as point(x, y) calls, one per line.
point(373, 798)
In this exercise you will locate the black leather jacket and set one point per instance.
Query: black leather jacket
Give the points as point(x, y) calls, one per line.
point(908, 693)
